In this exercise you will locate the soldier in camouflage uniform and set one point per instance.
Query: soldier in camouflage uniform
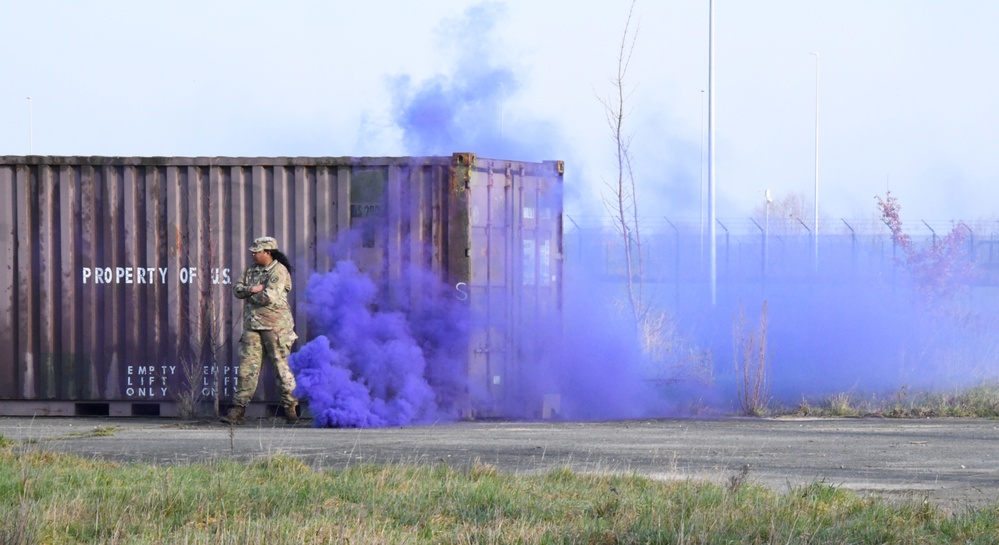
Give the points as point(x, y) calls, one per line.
point(268, 328)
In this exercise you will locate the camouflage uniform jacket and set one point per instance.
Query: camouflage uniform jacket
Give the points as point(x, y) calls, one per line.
point(269, 308)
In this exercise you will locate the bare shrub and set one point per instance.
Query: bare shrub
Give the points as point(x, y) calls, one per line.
point(668, 353)
point(938, 268)
point(190, 396)
point(622, 201)
point(667, 356)
point(752, 364)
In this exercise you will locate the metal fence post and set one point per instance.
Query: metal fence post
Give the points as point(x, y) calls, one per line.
point(726, 245)
point(763, 254)
point(853, 247)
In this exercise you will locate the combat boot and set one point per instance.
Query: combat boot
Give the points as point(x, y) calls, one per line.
point(236, 416)
point(291, 414)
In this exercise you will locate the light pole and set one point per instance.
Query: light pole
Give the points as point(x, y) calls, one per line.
point(712, 230)
point(766, 235)
point(701, 239)
point(815, 224)
point(30, 138)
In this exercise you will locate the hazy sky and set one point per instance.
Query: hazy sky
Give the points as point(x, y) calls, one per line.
point(907, 90)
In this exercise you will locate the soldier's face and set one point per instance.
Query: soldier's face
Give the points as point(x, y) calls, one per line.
point(261, 257)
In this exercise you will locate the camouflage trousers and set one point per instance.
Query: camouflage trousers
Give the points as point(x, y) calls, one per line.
point(254, 345)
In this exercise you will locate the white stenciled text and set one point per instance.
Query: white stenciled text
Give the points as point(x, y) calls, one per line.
point(124, 275)
point(148, 381)
point(152, 275)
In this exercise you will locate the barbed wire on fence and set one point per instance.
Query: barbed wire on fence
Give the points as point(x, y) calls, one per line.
point(748, 249)
point(750, 225)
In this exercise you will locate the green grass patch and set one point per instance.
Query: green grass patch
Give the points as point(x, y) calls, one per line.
point(980, 401)
point(57, 498)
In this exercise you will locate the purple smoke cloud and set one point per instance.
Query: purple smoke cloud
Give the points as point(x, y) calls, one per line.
point(367, 367)
point(324, 378)
point(466, 111)
point(590, 359)
point(848, 329)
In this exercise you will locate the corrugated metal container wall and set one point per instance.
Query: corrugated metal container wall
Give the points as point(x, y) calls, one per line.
point(515, 284)
point(117, 271)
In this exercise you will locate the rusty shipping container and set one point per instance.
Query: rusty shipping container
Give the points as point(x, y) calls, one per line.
point(117, 269)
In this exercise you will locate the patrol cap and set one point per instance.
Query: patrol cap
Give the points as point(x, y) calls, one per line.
point(264, 243)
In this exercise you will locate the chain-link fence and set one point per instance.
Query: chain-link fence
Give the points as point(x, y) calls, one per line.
point(778, 251)
point(850, 308)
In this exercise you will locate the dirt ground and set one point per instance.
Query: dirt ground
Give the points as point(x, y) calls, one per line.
point(953, 463)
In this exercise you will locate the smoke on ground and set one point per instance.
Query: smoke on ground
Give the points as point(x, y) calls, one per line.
point(373, 363)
